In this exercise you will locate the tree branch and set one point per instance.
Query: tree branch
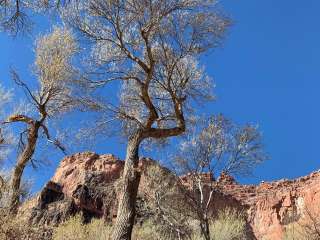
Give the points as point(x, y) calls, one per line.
point(20, 118)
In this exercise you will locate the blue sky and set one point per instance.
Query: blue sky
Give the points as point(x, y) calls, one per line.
point(267, 72)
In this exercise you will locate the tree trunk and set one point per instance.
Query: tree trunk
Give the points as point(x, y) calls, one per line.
point(130, 182)
point(23, 159)
point(205, 229)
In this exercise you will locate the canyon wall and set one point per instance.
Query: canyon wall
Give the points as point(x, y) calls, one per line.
point(87, 182)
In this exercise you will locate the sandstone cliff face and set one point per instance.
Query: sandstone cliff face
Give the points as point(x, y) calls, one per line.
point(87, 183)
point(272, 206)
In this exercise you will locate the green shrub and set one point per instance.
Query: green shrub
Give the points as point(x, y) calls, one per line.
point(74, 229)
point(299, 231)
point(304, 226)
point(147, 231)
point(295, 232)
point(151, 231)
point(229, 225)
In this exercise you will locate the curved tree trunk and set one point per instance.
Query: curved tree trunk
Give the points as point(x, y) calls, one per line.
point(130, 182)
point(23, 159)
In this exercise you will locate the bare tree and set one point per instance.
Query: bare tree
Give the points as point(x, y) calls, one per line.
point(166, 207)
point(312, 225)
point(152, 48)
point(305, 224)
point(52, 98)
point(16, 15)
point(13, 16)
point(218, 147)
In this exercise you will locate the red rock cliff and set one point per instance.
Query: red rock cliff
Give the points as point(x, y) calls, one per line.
point(86, 182)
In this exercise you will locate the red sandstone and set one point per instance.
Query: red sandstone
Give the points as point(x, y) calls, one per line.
point(269, 205)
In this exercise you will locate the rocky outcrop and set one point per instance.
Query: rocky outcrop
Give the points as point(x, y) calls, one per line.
point(271, 206)
point(85, 183)
point(88, 183)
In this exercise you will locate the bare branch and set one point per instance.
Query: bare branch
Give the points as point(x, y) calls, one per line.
point(20, 118)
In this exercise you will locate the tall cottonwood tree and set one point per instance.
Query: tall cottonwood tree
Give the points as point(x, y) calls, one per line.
point(52, 98)
point(216, 146)
point(153, 49)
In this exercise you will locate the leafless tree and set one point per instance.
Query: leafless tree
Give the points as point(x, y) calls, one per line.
point(13, 16)
point(52, 98)
point(305, 225)
point(153, 49)
point(218, 147)
point(312, 227)
point(16, 15)
point(165, 201)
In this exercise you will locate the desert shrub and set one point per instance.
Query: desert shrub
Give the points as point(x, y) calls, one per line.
point(12, 227)
point(305, 224)
point(9, 227)
point(150, 230)
point(5, 191)
point(97, 229)
point(229, 225)
point(75, 229)
point(147, 231)
point(296, 232)
point(17, 228)
point(70, 230)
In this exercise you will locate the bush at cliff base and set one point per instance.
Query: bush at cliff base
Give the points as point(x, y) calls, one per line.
point(229, 225)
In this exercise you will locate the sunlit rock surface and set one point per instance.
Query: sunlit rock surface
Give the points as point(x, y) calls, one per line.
point(87, 183)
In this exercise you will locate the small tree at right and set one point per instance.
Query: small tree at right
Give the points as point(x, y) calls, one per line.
point(214, 147)
point(305, 225)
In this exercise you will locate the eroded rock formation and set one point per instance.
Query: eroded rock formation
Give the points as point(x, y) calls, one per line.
point(87, 183)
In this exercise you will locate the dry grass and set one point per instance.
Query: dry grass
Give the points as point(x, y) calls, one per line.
point(97, 229)
point(229, 225)
point(15, 228)
point(74, 229)
point(306, 226)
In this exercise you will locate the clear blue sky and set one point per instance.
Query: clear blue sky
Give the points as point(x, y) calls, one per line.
point(267, 72)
